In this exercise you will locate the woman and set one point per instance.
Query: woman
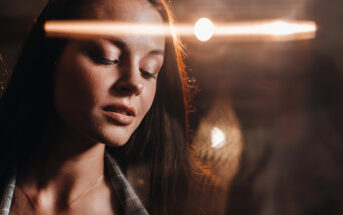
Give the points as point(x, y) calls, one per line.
point(74, 108)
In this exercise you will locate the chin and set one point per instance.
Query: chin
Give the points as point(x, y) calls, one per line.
point(116, 143)
point(115, 137)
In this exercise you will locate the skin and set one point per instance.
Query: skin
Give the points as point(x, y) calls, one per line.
point(84, 85)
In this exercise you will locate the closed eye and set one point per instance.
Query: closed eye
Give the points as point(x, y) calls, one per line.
point(104, 61)
point(147, 75)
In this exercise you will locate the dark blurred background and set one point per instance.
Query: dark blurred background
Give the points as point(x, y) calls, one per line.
point(267, 123)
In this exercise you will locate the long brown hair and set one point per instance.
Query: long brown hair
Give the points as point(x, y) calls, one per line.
point(160, 141)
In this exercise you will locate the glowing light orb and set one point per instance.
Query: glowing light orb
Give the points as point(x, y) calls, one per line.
point(204, 29)
point(218, 138)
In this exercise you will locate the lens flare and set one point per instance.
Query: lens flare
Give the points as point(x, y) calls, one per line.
point(204, 29)
point(270, 30)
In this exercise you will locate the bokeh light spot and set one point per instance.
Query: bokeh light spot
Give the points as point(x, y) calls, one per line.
point(218, 138)
point(204, 29)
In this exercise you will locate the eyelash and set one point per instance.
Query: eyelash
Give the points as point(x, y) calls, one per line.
point(107, 62)
point(147, 75)
point(104, 61)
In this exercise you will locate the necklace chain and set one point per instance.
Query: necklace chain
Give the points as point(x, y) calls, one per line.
point(97, 182)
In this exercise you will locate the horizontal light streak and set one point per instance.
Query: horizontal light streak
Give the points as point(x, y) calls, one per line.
point(101, 28)
point(265, 30)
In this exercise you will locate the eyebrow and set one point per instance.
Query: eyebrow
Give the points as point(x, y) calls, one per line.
point(122, 45)
point(156, 52)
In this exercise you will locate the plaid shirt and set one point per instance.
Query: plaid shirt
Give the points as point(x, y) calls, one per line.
point(129, 202)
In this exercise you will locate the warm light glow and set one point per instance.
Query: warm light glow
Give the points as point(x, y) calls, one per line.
point(280, 28)
point(203, 29)
point(268, 30)
point(218, 138)
point(101, 28)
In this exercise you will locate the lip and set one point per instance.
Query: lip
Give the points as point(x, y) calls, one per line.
point(120, 114)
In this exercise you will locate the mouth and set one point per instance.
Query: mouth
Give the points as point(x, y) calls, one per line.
point(120, 114)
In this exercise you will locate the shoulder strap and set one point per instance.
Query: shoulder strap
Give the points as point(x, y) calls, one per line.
point(6, 200)
point(129, 200)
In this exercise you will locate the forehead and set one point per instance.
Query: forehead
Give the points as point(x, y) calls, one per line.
point(130, 11)
point(123, 10)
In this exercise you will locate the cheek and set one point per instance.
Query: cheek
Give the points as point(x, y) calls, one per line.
point(79, 89)
point(77, 85)
point(77, 93)
point(148, 97)
point(70, 91)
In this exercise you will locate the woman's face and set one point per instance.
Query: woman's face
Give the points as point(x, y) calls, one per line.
point(104, 87)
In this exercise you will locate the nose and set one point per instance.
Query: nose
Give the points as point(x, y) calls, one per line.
point(129, 88)
point(130, 82)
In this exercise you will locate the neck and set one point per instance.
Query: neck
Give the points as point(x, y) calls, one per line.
point(61, 171)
